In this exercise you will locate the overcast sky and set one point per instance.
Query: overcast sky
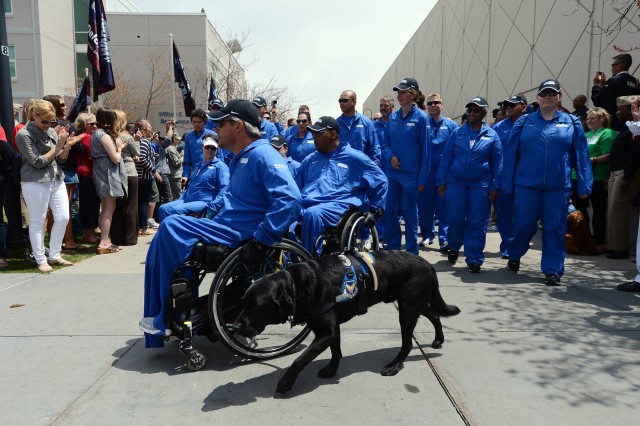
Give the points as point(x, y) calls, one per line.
point(315, 49)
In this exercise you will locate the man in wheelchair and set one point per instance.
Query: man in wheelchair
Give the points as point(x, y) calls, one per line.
point(261, 201)
point(335, 178)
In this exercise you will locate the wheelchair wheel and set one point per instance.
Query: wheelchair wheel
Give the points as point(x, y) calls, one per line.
point(355, 236)
point(225, 303)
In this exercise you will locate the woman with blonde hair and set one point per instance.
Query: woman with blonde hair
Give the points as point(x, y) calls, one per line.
point(88, 199)
point(42, 180)
point(124, 227)
point(600, 138)
point(108, 173)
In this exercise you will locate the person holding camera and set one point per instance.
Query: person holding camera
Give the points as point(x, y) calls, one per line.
point(605, 91)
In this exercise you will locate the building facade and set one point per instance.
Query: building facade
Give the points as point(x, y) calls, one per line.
point(48, 45)
point(496, 48)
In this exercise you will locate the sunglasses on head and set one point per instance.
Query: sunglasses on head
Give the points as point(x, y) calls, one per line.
point(433, 103)
point(343, 100)
point(546, 93)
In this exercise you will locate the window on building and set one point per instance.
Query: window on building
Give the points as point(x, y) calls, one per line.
point(81, 16)
point(12, 61)
point(8, 7)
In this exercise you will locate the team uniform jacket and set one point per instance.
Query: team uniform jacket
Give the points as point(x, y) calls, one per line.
point(479, 165)
point(360, 136)
point(551, 150)
point(346, 176)
point(409, 139)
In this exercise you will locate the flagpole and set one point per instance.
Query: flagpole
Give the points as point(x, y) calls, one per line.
point(86, 75)
point(173, 86)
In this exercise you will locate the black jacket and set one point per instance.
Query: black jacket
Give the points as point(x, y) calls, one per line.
point(604, 95)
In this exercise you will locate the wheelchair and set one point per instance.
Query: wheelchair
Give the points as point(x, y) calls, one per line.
point(350, 234)
point(213, 314)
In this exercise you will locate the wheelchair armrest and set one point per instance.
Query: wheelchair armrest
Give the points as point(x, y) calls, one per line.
point(208, 255)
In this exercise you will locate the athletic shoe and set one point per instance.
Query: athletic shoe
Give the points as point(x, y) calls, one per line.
point(425, 242)
point(492, 228)
point(504, 256)
point(453, 256)
point(631, 286)
point(513, 265)
point(552, 280)
point(474, 267)
point(146, 325)
point(444, 248)
point(153, 224)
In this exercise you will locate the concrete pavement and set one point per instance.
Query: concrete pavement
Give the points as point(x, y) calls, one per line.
point(519, 353)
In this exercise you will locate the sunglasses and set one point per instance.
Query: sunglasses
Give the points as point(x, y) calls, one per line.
point(93, 124)
point(547, 93)
point(433, 103)
point(344, 101)
point(474, 110)
point(302, 121)
point(210, 147)
point(45, 122)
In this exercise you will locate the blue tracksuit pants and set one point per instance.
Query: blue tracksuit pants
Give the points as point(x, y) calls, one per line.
point(407, 194)
point(552, 206)
point(468, 211)
point(431, 204)
point(170, 248)
point(504, 207)
point(316, 219)
point(181, 208)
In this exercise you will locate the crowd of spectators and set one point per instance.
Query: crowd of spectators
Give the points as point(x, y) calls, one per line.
point(123, 180)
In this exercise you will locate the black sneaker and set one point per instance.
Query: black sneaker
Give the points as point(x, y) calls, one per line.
point(444, 248)
point(632, 286)
point(453, 256)
point(513, 265)
point(474, 267)
point(504, 256)
point(552, 280)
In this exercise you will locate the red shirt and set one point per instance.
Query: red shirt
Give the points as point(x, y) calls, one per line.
point(13, 137)
point(84, 160)
point(3, 135)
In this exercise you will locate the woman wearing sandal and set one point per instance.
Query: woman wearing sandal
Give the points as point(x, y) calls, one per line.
point(109, 174)
point(43, 148)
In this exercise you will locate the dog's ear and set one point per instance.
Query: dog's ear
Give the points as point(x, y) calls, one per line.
point(282, 297)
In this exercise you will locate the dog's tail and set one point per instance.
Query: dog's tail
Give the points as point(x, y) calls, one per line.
point(438, 304)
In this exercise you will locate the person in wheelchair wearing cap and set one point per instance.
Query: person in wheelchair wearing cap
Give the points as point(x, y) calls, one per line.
point(206, 186)
point(335, 178)
point(260, 203)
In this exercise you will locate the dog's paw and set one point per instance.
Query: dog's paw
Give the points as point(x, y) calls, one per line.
point(327, 372)
point(392, 370)
point(437, 344)
point(284, 385)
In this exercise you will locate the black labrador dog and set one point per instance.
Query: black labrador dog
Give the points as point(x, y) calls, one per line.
point(306, 292)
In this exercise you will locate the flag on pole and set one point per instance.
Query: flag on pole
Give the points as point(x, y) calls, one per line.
point(213, 95)
point(82, 101)
point(98, 50)
point(181, 78)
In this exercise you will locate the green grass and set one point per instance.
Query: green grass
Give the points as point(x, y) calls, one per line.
point(19, 263)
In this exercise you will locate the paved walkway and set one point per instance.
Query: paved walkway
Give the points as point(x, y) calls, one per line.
point(519, 353)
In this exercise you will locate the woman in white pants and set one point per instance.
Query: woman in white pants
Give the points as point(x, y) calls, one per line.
point(43, 148)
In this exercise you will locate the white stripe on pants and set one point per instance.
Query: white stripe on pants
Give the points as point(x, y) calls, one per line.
point(40, 196)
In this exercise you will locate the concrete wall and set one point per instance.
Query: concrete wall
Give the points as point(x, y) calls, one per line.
point(137, 37)
point(495, 48)
point(42, 32)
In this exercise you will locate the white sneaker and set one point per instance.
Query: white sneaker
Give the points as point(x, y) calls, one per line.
point(153, 224)
point(146, 325)
point(425, 242)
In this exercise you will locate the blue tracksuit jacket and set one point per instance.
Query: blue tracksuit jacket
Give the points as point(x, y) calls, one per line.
point(361, 136)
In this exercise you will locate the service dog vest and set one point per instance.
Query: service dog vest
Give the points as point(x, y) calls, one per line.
point(359, 279)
